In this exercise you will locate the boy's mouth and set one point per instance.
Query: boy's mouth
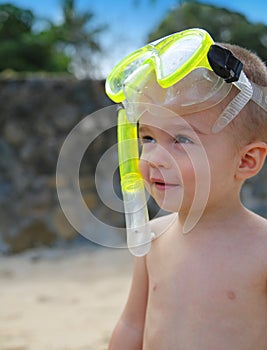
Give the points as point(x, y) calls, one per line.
point(162, 185)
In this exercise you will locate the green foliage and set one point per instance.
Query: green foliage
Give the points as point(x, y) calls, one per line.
point(29, 53)
point(23, 50)
point(78, 38)
point(14, 22)
point(222, 24)
point(59, 48)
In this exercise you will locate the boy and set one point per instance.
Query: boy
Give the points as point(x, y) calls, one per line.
point(207, 289)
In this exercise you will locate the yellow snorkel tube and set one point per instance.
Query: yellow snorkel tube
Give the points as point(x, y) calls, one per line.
point(132, 185)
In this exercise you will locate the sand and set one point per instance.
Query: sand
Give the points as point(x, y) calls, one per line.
point(62, 298)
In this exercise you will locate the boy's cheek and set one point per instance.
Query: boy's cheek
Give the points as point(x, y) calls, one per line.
point(143, 167)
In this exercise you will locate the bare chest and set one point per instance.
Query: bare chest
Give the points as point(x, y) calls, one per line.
point(216, 277)
point(206, 292)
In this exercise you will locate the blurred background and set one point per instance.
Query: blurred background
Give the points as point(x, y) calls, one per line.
point(54, 57)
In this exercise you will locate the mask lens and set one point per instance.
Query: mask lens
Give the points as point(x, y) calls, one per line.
point(134, 89)
point(200, 89)
point(177, 54)
point(125, 69)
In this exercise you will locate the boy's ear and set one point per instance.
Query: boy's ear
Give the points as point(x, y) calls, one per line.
point(252, 159)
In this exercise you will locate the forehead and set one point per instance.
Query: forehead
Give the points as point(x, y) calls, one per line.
point(169, 120)
point(154, 113)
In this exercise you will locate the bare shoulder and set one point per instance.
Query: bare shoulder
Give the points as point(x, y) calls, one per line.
point(259, 224)
point(257, 235)
point(163, 224)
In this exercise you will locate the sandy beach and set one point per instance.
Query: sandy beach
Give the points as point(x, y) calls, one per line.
point(62, 298)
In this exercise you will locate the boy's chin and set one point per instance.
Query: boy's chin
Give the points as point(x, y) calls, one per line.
point(170, 207)
point(180, 207)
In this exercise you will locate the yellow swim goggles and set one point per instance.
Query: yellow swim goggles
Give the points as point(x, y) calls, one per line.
point(187, 54)
point(172, 57)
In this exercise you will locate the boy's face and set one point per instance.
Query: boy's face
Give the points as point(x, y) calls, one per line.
point(183, 162)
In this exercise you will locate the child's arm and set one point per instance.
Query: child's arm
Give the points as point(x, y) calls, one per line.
point(128, 333)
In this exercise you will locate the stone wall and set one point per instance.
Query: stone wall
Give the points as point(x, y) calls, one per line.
point(36, 115)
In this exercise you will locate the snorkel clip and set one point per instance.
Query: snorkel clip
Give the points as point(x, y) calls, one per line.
point(224, 63)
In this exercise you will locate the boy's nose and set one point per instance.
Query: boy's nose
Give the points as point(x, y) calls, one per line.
point(157, 157)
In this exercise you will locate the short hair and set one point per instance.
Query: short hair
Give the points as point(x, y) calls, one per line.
point(252, 120)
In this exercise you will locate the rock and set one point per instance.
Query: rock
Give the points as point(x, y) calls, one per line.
point(66, 117)
point(14, 133)
point(62, 226)
point(33, 235)
point(36, 116)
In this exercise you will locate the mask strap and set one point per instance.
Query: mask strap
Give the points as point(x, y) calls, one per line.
point(260, 95)
point(236, 105)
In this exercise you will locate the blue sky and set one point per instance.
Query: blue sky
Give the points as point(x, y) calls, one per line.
point(128, 24)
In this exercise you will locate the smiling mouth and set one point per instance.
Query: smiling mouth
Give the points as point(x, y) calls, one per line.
point(161, 185)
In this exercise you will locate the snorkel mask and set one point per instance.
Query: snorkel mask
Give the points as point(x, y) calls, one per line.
point(190, 71)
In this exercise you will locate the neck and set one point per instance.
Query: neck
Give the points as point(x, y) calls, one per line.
point(213, 217)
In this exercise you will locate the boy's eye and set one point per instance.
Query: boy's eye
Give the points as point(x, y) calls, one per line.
point(147, 139)
point(183, 139)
